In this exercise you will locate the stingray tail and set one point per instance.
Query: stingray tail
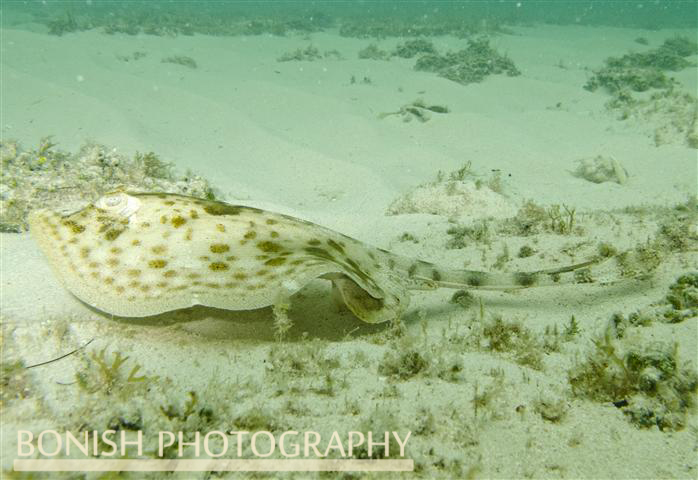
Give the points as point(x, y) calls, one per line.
point(425, 275)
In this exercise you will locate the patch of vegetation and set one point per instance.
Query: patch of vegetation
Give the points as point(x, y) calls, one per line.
point(553, 338)
point(462, 235)
point(408, 237)
point(682, 298)
point(639, 262)
point(513, 337)
point(571, 329)
point(257, 419)
point(529, 220)
point(153, 166)
point(333, 54)
point(484, 400)
point(463, 173)
point(551, 410)
point(66, 23)
point(135, 56)
point(645, 381)
point(620, 79)
point(606, 250)
point(364, 81)
point(408, 357)
point(493, 182)
point(204, 415)
point(470, 65)
point(372, 52)
point(307, 54)
point(291, 366)
point(412, 48)
point(675, 231)
point(182, 60)
point(395, 26)
point(675, 234)
point(184, 20)
point(561, 222)
point(463, 298)
point(105, 374)
point(525, 251)
point(639, 72)
point(403, 364)
point(381, 420)
point(14, 384)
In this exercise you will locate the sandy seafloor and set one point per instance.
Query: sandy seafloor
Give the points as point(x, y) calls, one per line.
point(300, 138)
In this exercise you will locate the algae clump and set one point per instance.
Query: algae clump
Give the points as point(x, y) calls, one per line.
point(470, 65)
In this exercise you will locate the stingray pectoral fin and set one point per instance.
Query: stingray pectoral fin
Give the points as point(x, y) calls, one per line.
point(366, 307)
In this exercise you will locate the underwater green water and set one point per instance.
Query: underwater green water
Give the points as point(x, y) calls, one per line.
point(278, 17)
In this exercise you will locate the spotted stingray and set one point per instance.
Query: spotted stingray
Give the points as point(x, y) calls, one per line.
point(141, 254)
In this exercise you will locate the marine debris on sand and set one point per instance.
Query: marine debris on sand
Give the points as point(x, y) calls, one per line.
point(601, 169)
point(418, 109)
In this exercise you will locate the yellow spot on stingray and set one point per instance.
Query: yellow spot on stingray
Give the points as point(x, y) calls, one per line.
point(73, 226)
point(157, 263)
point(221, 209)
point(275, 262)
point(218, 266)
point(178, 221)
point(269, 247)
point(112, 234)
point(219, 247)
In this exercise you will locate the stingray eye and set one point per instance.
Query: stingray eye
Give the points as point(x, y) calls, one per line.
point(113, 200)
point(119, 203)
